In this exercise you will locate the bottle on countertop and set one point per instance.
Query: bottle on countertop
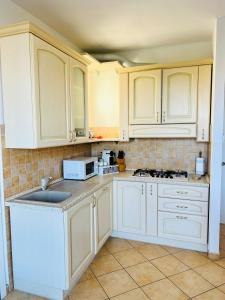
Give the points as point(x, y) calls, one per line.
point(121, 161)
point(200, 165)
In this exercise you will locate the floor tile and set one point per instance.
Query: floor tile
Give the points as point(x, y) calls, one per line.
point(152, 251)
point(117, 282)
point(88, 290)
point(114, 245)
point(16, 295)
point(169, 265)
point(172, 250)
point(137, 294)
point(164, 290)
point(213, 273)
point(214, 294)
point(87, 275)
point(102, 252)
point(144, 273)
point(136, 244)
point(129, 257)
point(191, 259)
point(221, 262)
point(222, 288)
point(191, 283)
point(104, 264)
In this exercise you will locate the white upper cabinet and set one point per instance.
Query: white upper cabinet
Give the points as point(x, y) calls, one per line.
point(78, 97)
point(44, 94)
point(145, 97)
point(204, 99)
point(51, 79)
point(179, 98)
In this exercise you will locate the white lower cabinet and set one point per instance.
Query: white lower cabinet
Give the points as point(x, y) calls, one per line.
point(52, 248)
point(169, 214)
point(79, 235)
point(182, 227)
point(103, 216)
point(131, 207)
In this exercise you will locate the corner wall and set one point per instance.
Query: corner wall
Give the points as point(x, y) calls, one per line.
point(217, 120)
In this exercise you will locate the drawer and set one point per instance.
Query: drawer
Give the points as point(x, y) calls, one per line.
point(183, 192)
point(183, 206)
point(182, 227)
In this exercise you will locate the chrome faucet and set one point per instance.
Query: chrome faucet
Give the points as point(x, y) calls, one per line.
point(45, 182)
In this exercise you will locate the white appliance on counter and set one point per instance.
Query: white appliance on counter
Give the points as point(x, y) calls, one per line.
point(80, 168)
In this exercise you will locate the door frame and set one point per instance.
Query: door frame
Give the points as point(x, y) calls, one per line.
point(4, 279)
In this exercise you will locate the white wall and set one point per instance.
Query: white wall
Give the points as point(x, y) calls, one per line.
point(170, 53)
point(217, 134)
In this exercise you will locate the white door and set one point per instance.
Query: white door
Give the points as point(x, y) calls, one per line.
point(131, 207)
point(80, 235)
point(179, 99)
point(145, 97)
point(51, 71)
point(78, 100)
point(103, 215)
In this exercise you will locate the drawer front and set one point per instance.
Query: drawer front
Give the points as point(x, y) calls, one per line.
point(183, 227)
point(183, 206)
point(183, 192)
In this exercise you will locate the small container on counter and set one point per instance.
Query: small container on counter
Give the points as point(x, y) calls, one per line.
point(200, 165)
point(104, 170)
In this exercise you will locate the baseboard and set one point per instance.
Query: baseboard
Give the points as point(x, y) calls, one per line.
point(161, 241)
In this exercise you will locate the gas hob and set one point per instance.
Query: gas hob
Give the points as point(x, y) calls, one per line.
point(165, 174)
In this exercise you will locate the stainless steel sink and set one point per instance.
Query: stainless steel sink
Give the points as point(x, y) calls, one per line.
point(46, 196)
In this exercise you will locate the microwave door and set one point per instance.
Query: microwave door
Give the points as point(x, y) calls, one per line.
point(90, 168)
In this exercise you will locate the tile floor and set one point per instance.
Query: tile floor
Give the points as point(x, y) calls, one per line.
point(130, 270)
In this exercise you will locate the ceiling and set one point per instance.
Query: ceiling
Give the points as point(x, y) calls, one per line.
point(115, 25)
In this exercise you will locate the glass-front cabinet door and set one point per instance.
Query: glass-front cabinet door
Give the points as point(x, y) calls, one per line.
point(78, 92)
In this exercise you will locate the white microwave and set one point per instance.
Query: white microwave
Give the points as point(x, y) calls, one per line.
point(80, 168)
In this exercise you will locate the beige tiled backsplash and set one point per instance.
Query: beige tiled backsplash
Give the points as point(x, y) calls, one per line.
point(157, 153)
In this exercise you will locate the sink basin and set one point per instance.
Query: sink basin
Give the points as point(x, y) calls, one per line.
point(46, 196)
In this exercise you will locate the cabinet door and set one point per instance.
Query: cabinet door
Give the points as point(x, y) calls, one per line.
point(80, 235)
point(182, 227)
point(152, 210)
point(180, 95)
point(78, 96)
point(51, 71)
point(204, 100)
point(131, 207)
point(103, 215)
point(145, 97)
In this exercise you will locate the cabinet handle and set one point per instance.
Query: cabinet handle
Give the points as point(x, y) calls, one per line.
point(157, 117)
point(181, 192)
point(142, 189)
point(203, 134)
point(105, 189)
point(181, 217)
point(179, 206)
point(164, 116)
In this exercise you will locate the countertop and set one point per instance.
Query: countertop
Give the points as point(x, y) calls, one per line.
point(83, 189)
